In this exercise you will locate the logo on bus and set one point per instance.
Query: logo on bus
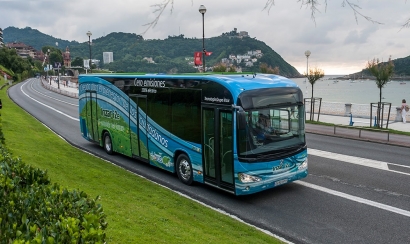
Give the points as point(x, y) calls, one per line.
point(149, 83)
point(110, 114)
point(154, 133)
point(216, 99)
point(282, 166)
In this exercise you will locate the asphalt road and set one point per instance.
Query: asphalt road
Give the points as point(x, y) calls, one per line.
point(356, 191)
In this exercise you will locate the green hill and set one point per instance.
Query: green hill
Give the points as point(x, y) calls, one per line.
point(33, 37)
point(401, 70)
point(171, 54)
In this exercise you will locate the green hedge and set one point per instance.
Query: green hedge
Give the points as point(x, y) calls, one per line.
point(32, 210)
point(2, 139)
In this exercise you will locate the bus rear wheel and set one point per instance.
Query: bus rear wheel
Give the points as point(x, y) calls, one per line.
point(107, 143)
point(184, 169)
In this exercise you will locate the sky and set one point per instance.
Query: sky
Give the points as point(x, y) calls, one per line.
point(339, 43)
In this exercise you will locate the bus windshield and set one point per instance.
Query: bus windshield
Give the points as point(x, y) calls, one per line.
point(274, 128)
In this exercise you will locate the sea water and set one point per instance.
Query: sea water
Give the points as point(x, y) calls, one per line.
point(333, 90)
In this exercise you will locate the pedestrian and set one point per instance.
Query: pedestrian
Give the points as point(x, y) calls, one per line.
point(404, 109)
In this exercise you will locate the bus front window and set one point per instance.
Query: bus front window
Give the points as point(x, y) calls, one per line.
point(271, 131)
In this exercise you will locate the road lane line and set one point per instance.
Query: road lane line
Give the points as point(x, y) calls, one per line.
point(356, 199)
point(45, 105)
point(32, 87)
point(356, 160)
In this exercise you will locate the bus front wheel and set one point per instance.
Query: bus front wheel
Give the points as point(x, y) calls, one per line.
point(107, 143)
point(184, 169)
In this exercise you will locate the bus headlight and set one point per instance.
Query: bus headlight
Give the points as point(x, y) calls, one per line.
point(304, 165)
point(245, 178)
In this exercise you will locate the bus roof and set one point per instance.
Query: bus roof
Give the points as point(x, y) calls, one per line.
point(235, 82)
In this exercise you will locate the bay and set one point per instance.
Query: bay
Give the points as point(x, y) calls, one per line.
point(355, 91)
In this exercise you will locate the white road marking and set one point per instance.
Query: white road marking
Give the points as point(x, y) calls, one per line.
point(356, 199)
point(72, 104)
point(45, 105)
point(356, 160)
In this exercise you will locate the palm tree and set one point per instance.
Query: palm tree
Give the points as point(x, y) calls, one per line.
point(382, 73)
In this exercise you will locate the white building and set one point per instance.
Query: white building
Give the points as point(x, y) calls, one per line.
point(86, 63)
point(1, 37)
point(246, 57)
point(108, 57)
point(225, 61)
point(243, 34)
point(149, 60)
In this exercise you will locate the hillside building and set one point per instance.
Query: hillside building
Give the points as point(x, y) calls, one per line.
point(22, 49)
point(1, 37)
point(67, 58)
point(108, 57)
point(149, 60)
point(243, 34)
point(86, 63)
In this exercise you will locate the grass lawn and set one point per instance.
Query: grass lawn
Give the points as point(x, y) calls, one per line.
point(138, 211)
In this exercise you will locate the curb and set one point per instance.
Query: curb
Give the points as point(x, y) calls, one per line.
point(385, 142)
point(60, 91)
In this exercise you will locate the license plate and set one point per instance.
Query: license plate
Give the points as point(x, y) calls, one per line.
point(281, 182)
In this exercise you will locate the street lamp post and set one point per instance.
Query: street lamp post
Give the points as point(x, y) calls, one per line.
point(307, 54)
point(48, 65)
point(202, 10)
point(89, 45)
point(58, 71)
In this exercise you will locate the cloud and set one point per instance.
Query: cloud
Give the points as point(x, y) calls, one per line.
point(360, 37)
point(337, 42)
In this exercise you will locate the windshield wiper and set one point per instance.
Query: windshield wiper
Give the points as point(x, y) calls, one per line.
point(276, 105)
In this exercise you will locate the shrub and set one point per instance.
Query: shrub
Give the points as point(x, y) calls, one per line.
point(219, 68)
point(34, 211)
point(2, 140)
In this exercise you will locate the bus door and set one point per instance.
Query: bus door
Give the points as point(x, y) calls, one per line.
point(92, 115)
point(138, 136)
point(217, 147)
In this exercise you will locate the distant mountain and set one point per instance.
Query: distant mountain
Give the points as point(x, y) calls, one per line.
point(129, 50)
point(401, 69)
point(402, 66)
point(34, 38)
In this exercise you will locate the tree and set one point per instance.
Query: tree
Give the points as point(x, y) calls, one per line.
point(219, 68)
point(382, 73)
point(313, 75)
point(77, 62)
point(264, 68)
point(313, 6)
point(309, 4)
point(10, 60)
point(232, 68)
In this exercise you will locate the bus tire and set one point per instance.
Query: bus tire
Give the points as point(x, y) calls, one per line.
point(184, 169)
point(107, 143)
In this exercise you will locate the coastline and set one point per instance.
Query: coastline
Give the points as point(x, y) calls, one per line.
point(357, 110)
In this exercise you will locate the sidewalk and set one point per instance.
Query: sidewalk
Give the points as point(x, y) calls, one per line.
point(358, 134)
point(350, 133)
point(71, 90)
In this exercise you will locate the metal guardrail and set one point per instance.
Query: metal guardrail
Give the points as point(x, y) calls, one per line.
point(360, 129)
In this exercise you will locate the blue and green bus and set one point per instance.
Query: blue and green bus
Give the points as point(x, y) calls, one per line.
point(241, 133)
